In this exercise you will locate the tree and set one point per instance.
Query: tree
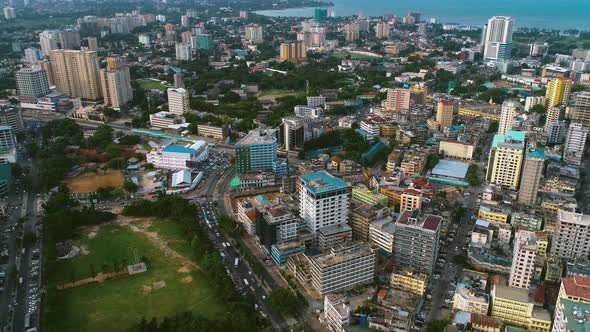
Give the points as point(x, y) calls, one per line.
point(538, 109)
point(283, 300)
point(130, 187)
point(432, 160)
point(437, 325)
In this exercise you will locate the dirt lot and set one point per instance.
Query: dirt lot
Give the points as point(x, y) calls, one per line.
point(89, 182)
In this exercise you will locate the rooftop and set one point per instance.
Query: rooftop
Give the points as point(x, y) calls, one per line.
point(321, 182)
point(339, 255)
point(334, 229)
point(576, 218)
point(175, 148)
point(577, 315)
point(512, 293)
point(577, 287)
point(415, 219)
point(511, 139)
point(448, 168)
point(259, 136)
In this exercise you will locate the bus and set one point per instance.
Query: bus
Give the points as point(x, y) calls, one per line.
point(246, 282)
point(236, 262)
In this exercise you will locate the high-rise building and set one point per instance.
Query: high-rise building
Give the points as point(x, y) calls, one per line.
point(398, 100)
point(498, 38)
point(416, 240)
point(324, 200)
point(293, 51)
point(254, 33)
point(257, 151)
point(523, 259)
point(531, 176)
point(184, 21)
point(382, 30)
point(32, 82)
point(69, 38)
point(9, 13)
point(554, 114)
point(513, 306)
point(184, 51)
point(531, 101)
point(186, 37)
point(506, 158)
point(170, 34)
point(320, 14)
point(581, 111)
point(573, 305)
point(178, 81)
point(362, 215)
point(11, 116)
point(116, 84)
point(556, 132)
point(509, 112)
point(49, 40)
point(575, 142)
point(444, 113)
point(7, 140)
point(351, 32)
point(92, 43)
point(178, 101)
point(76, 73)
point(410, 200)
point(32, 55)
point(558, 91)
point(571, 239)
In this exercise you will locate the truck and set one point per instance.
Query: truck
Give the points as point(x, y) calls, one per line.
point(246, 282)
point(236, 262)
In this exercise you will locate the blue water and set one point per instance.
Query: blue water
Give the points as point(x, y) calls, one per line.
point(555, 14)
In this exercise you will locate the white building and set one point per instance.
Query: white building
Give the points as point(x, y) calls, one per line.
point(254, 34)
point(506, 159)
point(532, 101)
point(523, 259)
point(371, 127)
point(313, 112)
point(336, 313)
point(575, 142)
point(144, 40)
point(9, 13)
point(178, 157)
point(324, 200)
point(509, 111)
point(497, 38)
point(178, 101)
point(316, 101)
point(382, 233)
point(49, 40)
point(32, 55)
point(164, 120)
point(184, 51)
point(571, 238)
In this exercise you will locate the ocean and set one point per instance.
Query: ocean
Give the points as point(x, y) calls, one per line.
point(553, 14)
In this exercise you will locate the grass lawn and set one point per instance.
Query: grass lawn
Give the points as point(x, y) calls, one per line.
point(116, 305)
point(148, 84)
point(276, 92)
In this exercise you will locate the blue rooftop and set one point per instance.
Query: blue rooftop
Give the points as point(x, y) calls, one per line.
point(177, 149)
point(321, 182)
point(538, 153)
point(518, 136)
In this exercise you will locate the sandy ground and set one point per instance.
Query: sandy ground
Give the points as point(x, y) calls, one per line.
point(89, 182)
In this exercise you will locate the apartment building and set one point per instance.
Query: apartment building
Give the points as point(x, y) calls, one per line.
point(445, 112)
point(362, 215)
point(523, 259)
point(76, 73)
point(410, 200)
point(531, 176)
point(398, 100)
point(178, 101)
point(409, 280)
point(471, 294)
point(513, 306)
point(336, 313)
point(416, 240)
point(558, 91)
point(382, 234)
point(506, 158)
point(571, 238)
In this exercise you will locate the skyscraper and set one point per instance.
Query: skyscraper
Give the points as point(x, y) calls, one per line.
point(444, 113)
point(581, 111)
point(575, 142)
point(257, 151)
point(382, 30)
point(178, 101)
point(254, 34)
point(116, 84)
point(531, 176)
point(509, 111)
point(76, 73)
point(32, 83)
point(416, 240)
point(506, 158)
point(49, 40)
point(324, 200)
point(571, 239)
point(9, 13)
point(183, 51)
point(498, 38)
point(558, 91)
point(32, 55)
point(523, 259)
point(92, 43)
point(293, 51)
point(398, 100)
point(320, 14)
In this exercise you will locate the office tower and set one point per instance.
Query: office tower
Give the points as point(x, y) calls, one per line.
point(444, 113)
point(170, 33)
point(201, 42)
point(185, 37)
point(9, 13)
point(555, 128)
point(498, 38)
point(558, 91)
point(184, 21)
point(531, 176)
point(506, 158)
point(342, 268)
point(179, 101)
point(116, 84)
point(76, 73)
point(144, 40)
point(7, 140)
point(398, 100)
point(523, 259)
point(320, 14)
point(514, 306)
point(49, 40)
point(92, 43)
point(32, 55)
point(257, 151)
point(324, 200)
point(254, 34)
point(184, 51)
point(382, 30)
point(293, 51)
point(69, 38)
point(575, 142)
point(410, 200)
point(571, 239)
point(293, 132)
point(351, 32)
point(12, 117)
point(573, 305)
point(416, 240)
point(32, 82)
point(581, 111)
point(178, 81)
point(422, 28)
point(509, 112)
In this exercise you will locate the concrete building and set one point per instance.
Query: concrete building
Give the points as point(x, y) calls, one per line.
point(116, 85)
point(179, 101)
point(581, 111)
point(92, 43)
point(184, 52)
point(457, 149)
point(32, 83)
point(558, 92)
point(416, 240)
point(382, 234)
point(254, 34)
point(76, 73)
point(342, 268)
point(575, 142)
point(398, 100)
point(49, 40)
point(9, 13)
point(336, 313)
point(362, 215)
point(532, 101)
point(275, 224)
point(444, 113)
point(294, 51)
point(324, 200)
point(471, 294)
point(11, 116)
point(313, 112)
point(531, 176)
point(410, 200)
point(509, 112)
point(257, 152)
point(382, 30)
point(497, 40)
point(164, 120)
point(554, 126)
point(513, 306)
point(179, 157)
point(523, 259)
point(409, 280)
point(506, 158)
point(32, 55)
point(571, 239)
point(212, 131)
